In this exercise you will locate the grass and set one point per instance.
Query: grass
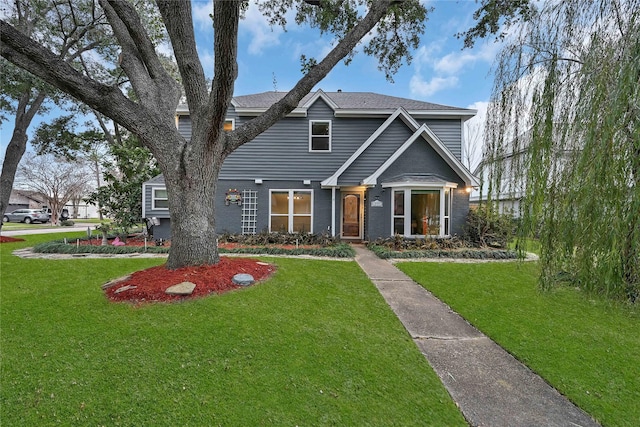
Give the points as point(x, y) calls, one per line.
point(314, 345)
point(589, 349)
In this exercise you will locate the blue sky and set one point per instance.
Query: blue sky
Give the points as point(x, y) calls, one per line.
point(269, 58)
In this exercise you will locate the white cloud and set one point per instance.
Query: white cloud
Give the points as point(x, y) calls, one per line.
point(201, 15)
point(456, 61)
point(421, 87)
point(263, 36)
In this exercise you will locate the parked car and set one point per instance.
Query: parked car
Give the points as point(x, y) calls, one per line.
point(27, 216)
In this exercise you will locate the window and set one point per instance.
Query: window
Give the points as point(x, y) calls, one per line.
point(320, 135)
point(229, 125)
point(421, 212)
point(291, 211)
point(159, 198)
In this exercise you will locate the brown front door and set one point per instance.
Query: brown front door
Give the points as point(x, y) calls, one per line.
point(351, 215)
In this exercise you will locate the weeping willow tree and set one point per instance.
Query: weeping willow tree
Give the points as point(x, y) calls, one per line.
point(563, 135)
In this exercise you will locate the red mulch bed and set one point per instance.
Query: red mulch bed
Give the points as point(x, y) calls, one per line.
point(150, 284)
point(6, 239)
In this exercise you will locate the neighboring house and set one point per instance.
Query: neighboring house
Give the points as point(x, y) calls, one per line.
point(510, 170)
point(25, 199)
point(512, 186)
point(354, 165)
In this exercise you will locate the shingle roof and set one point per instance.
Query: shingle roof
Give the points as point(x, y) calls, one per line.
point(344, 100)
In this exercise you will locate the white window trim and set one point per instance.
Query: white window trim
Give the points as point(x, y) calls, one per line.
point(154, 198)
point(407, 207)
point(233, 123)
point(290, 214)
point(311, 122)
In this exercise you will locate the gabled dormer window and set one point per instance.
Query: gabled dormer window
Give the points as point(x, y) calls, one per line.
point(320, 135)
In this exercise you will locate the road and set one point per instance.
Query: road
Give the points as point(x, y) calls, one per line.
point(48, 228)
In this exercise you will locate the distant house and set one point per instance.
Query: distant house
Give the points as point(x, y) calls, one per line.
point(355, 165)
point(509, 196)
point(510, 170)
point(25, 199)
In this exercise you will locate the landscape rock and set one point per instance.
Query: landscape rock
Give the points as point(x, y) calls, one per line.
point(125, 288)
point(184, 288)
point(243, 279)
point(116, 281)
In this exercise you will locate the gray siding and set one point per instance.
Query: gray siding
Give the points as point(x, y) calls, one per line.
point(376, 154)
point(148, 193)
point(282, 152)
point(420, 158)
point(449, 132)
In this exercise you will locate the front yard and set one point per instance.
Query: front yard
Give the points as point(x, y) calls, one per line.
point(313, 345)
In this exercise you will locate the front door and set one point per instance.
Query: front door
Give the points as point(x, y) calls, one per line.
point(351, 215)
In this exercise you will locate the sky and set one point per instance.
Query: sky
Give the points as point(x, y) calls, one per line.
point(269, 59)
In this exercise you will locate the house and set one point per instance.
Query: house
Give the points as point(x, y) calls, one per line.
point(25, 199)
point(505, 175)
point(355, 165)
point(508, 200)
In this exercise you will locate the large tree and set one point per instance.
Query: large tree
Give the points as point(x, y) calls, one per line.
point(567, 95)
point(69, 31)
point(191, 168)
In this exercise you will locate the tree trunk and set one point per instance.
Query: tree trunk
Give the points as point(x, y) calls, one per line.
point(15, 150)
point(191, 205)
point(17, 146)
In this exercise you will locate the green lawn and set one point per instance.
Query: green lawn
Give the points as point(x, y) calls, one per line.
point(314, 345)
point(588, 349)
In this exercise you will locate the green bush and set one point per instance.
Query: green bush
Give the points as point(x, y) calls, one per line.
point(486, 228)
point(338, 250)
point(465, 253)
point(67, 223)
point(265, 238)
point(399, 242)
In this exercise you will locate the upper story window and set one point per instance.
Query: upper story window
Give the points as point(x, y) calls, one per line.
point(229, 125)
point(320, 135)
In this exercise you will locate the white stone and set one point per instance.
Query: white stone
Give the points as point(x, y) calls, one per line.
point(184, 288)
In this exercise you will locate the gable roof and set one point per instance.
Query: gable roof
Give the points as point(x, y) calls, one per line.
point(419, 131)
point(345, 104)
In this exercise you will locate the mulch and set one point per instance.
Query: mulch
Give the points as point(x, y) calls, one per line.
point(7, 239)
point(149, 285)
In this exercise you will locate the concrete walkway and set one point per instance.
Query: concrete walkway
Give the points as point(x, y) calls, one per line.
point(489, 385)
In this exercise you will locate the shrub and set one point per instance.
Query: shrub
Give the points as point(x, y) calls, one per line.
point(486, 228)
point(266, 238)
point(399, 242)
point(67, 223)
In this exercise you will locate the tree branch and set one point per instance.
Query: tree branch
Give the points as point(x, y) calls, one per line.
point(179, 23)
point(109, 100)
point(279, 110)
point(226, 19)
